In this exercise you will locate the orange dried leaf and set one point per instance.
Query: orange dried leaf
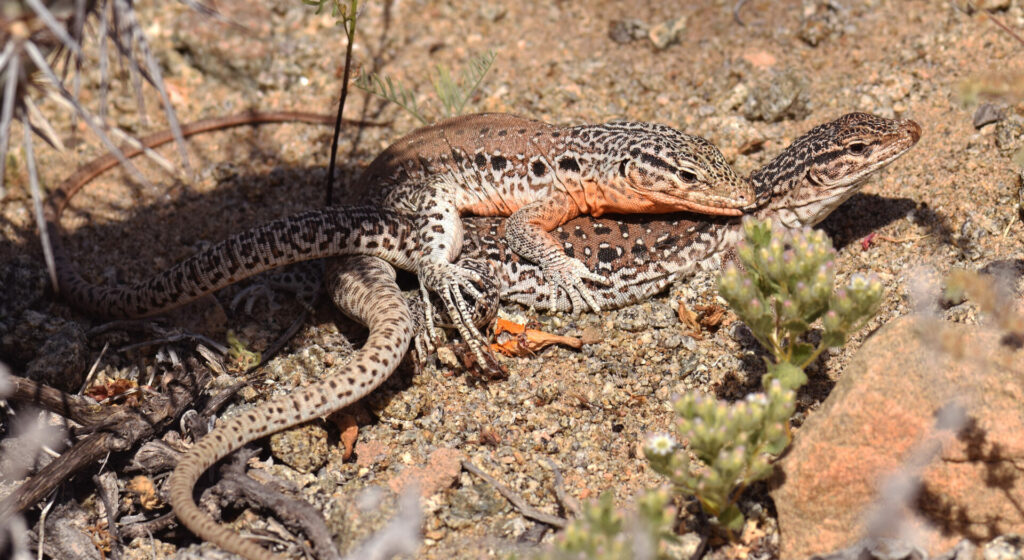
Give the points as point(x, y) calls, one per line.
point(144, 489)
point(346, 423)
point(111, 388)
point(525, 341)
point(690, 319)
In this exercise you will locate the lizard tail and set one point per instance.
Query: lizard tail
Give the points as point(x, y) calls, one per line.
point(305, 236)
point(372, 296)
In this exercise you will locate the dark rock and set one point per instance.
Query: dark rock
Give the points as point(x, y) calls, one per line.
point(987, 113)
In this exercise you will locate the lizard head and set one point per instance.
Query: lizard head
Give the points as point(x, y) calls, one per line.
point(826, 166)
point(676, 172)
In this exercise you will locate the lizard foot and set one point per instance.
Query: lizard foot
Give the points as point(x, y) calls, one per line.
point(568, 274)
point(449, 282)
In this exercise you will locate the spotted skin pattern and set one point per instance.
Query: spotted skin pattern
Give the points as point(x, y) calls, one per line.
point(369, 292)
point(366, 289)
point(540, 176)
point(639, 256)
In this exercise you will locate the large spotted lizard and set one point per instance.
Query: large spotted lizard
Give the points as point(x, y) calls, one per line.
point(639, 256)
point(538, 174)
point(375, 361)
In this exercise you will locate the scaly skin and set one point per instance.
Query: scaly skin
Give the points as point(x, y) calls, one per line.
point(493, 164)
point(540, 176)
point(639, 256)
point(789, 172)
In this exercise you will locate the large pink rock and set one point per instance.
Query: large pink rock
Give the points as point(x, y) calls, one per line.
point(881, 417)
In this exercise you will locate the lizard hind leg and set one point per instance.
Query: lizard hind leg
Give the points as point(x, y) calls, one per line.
point(438, 241)
point(449, 289)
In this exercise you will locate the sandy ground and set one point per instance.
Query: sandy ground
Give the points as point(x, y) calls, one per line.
point(953, 201)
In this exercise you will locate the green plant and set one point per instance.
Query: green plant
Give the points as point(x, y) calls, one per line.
point(786, 284)
point(452, 93)
point(347, 15)
point(603, 532)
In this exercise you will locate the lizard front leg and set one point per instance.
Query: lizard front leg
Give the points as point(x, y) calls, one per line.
point(438, 241)
point(526, 232)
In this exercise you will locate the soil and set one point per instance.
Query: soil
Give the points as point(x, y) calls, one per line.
point(954, 201)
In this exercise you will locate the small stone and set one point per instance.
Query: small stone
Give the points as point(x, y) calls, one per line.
point(447, 357)
point(993, 5)
point(627, 30)
point(733, 135)
point(470, 503)
point(665, 34)
point(440, 472)
point(662, 316)
point(1008, 134)
point(987, 113)
point(778, 95)
point(632, 319)
point(1005, 547)
point(303, 448)
point(822, 21)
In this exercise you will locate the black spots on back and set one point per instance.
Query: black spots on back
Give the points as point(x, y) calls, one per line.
point(570, 251)
point(601, 229)
point(569, 164)
point(480, 160)
point(639, 250)
point(623, 228)
point(539, 169)
point(502, 132)
point(607, 254)
point(498, 163)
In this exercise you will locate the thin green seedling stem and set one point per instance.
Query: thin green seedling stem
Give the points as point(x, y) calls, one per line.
point(349, 19)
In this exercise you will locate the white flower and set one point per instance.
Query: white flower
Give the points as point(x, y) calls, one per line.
point(661, 444)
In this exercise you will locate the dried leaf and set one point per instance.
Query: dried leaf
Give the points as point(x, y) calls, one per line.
point(514, 339)
point(144, 489)
point(346, 423)
point(690, 319)
point(111, 388)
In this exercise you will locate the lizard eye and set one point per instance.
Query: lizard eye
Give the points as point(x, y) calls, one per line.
point(687, 176)
point(622, 168)
point(857, 148)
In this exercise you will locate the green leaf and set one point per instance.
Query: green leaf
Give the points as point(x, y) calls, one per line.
point(790, 376)
point(732, 518)
point(802, 351)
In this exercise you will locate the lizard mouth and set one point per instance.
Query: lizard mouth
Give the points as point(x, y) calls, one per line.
point(714, 210)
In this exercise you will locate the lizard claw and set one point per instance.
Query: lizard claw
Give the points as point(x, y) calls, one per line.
point(568, 274)
point(449, 282)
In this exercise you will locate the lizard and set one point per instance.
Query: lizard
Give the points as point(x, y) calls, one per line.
point(364, 373)
point(798, 188)
point(640, 256)
point(538, 174)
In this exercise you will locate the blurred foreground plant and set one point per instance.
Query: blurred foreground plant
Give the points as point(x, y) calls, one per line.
point(604, 533)
point(787, 283)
